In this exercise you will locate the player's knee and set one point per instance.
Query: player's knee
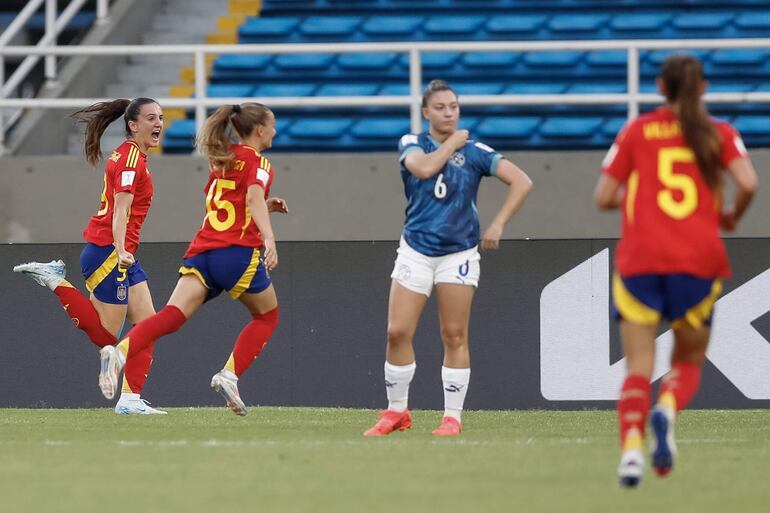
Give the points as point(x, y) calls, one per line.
point(397, 334)
point(454, 337)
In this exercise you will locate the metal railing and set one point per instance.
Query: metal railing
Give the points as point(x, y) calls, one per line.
point(53, 27)
point(200, 102)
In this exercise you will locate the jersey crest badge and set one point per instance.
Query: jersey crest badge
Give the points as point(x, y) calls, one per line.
point(458, 159)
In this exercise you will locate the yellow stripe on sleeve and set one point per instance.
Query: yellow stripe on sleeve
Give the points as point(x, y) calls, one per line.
point(630, 308)
point(247, 276)
point(101, 273)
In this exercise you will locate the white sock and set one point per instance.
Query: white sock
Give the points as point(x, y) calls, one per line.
point(128, 396)
point(455, 387)
point(397, 379)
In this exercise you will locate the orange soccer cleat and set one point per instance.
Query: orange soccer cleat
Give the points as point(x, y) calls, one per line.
point(450, 426)
point(390, 421)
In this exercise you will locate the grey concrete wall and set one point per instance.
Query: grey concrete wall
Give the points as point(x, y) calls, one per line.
point(331, 197)
point(76, 77)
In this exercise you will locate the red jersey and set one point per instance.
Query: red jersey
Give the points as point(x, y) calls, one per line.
point(228, 219)
point(126, 171)
point(670, 216)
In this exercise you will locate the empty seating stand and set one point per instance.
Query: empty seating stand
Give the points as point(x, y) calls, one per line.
point(482, 73)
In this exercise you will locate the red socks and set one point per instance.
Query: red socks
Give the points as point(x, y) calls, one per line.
point(136, 370)
point(141, 336)
point(633, 405)
point(251, 341)
point(682, 382)
point(83, 314)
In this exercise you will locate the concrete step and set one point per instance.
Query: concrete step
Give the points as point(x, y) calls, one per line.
point(184, 24)
point(143, 74)
point(134, 91)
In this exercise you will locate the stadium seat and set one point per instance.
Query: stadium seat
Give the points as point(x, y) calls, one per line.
point(738, 57)
point(701, 22)
point(753, 125)
point(559, 59)
point(568, 128)
point(607, 58)
point(507, 127)
point(366, 61)
point(285, 89)
point(597, 88)
point(454, 25)
point(514, 26)
point(330, 26)
point(645, 24)
point(319, 128)
point(753, 21)
point(236, 62)
point(228, 90)
point(612, 126)
point(564, 24)
point(463, 88)
point(348, 90)
point(255, 30)
point(535, 88)
point(387, 128)
point(392, 26)
point(490, 60)
point(304, 61)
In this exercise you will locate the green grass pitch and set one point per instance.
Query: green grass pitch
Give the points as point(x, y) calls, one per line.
point(315, 460)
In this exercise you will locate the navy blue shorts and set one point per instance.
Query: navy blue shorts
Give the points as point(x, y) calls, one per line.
point(103, 278)
point(236, 269)
point(680, 298)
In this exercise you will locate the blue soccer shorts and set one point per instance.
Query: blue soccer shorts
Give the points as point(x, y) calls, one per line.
point(236, 269)
point(103, 278)
point(680, 298)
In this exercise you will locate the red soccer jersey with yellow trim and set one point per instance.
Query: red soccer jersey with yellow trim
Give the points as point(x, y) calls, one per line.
point(228, 220)
point(126, 171)
point(670, 216)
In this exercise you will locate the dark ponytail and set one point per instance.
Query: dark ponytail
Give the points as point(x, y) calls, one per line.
point(683, 76)
point(99, 116)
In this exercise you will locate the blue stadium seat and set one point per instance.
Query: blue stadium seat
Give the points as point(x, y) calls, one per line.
point(229, 90)
point(507, 127)
point(319, 128)
point(348, 90)
point(739, 57)
point(235, 62)
point(607, 58)
point(366, 61)
point(181, 129)
point(443, 25)
point(261, 29)
point(468, 123)
point(569, 128)
point(386, 128)
point(730, 87)
point(433, 61)
point(285, 89)
point(392, 25)
point(507, 26)
point(702, 22)
point(611, 127)
point(463, 88)
point(658, 56)
point(639, 22)
point(330, 26)
point(752, 125)
point(561, 59)
point(535, 88)
point(577, 23)
point(597, 88)
point(753, 21)
point(395, 90)
point(490, 59)
point(304, 61)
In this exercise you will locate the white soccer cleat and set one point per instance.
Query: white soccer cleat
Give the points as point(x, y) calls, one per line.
point(112, 362)
point(49, 274)
point(137, 406)
point(228, 388)
point(631, 468)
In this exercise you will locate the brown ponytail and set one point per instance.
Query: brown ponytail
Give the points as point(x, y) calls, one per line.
point(99, 116)
point(214, 140)
point(683, 76)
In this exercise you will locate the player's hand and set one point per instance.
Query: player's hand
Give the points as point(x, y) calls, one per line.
point(271, 254)
point(125, 260)
point(277, 205)
point(491, 237)
point(459, 138)
point(727, 220)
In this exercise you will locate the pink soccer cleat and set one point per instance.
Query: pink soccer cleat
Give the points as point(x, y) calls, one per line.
point(390, 421)
point(450, 426)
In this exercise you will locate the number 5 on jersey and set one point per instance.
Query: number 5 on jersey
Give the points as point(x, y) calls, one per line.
point(215, 204)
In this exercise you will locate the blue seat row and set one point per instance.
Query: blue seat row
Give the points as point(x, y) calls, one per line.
point(295, 29)
point(502, 132)
point(79, 21)
point(390, 67)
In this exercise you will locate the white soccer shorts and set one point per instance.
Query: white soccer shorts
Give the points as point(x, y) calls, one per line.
point(418, 272)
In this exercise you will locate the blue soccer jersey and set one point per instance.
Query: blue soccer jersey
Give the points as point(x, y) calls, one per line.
point(441, 213)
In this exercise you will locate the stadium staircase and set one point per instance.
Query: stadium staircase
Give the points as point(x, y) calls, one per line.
point(512, 127)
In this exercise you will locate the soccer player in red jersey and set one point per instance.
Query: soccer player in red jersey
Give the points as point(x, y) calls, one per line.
point(665, 172)
point(115, 279)
point(233, 250)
